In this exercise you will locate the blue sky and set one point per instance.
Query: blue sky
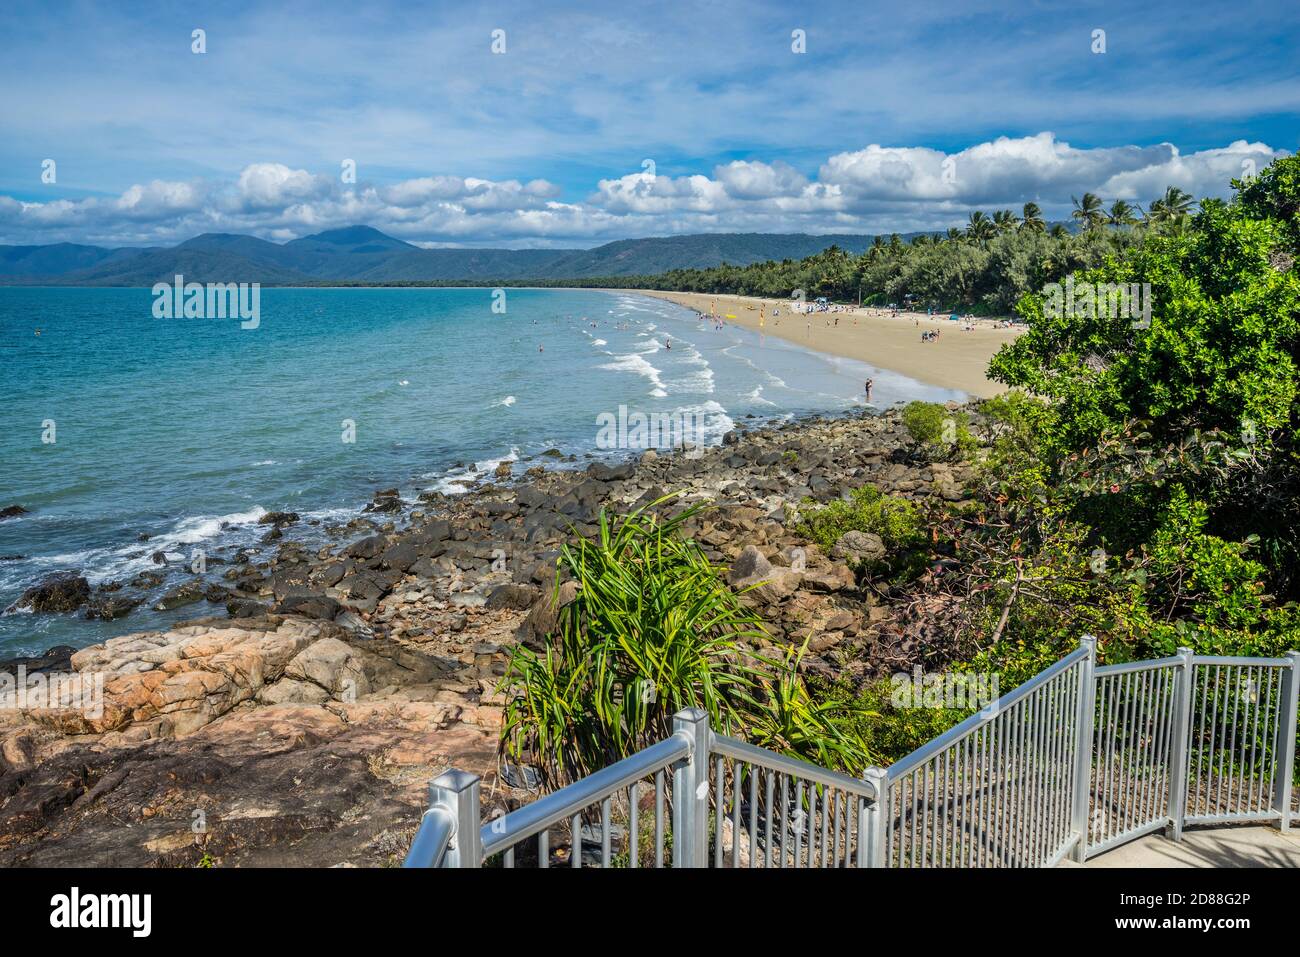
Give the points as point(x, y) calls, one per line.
point(544, 144)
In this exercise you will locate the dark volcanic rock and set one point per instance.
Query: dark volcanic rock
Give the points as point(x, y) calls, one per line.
point(185, 594)
point(369, 547)
point(310, 606)
point(110, 609)
point(57, 658)
point(58, 593)
point(246, 608)
point(519, 597)
point(147, 580)
point(278, 518)
point(12, 511)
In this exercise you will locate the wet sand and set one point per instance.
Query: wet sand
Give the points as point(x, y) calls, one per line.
point(956, 360)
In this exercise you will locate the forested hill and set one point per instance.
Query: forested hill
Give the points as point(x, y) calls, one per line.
point(360, 254)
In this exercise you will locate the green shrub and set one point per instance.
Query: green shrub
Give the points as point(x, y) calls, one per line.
point(654, 629)
point(897, 521)
point(937, 429)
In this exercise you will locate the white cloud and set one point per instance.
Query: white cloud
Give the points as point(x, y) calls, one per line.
point(264, 186)
point(874, 189)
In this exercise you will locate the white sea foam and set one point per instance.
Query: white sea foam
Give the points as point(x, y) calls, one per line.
point(599, 342)
point(103, 564)
point(456, 481)
point(634, 363)
point(507, 401)
point(715, 420)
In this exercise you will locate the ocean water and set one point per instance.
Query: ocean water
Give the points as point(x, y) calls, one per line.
point(188, 430)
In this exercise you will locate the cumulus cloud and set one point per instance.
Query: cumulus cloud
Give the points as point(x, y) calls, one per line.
point(874, 189)
point(265, 186)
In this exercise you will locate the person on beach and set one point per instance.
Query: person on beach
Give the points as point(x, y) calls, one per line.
point(870, 384)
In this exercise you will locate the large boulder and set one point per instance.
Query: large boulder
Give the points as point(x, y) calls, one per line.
point(750, 565)
point(859, 548)
point(310, 606)
point(186, 594)
point(544, 616)
point(518, 597)
point(278, 518)
point(111, 608)
point(369, 547)
point(752, 573)
point(56, 594)
point(333, 665)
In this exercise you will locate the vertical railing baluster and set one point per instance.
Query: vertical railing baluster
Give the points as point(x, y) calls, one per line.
point(634, 844)
point(768, 837)
point(720, 794)
point(606, 843)
point(659, 819)
point(691, 792)
point(753, 815)
point(1083, 749)
point(735, 812)
point(1286, 742)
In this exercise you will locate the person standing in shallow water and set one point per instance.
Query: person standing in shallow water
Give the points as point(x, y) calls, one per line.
point(869, 385)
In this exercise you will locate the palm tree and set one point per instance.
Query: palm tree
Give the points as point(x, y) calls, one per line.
point(1032, 219)
point(1088, 210)
point(1058, 232)
point(980, 227)
point(1122, 214)
point(954, 233)
point(1172, 208)
point(1004, 219)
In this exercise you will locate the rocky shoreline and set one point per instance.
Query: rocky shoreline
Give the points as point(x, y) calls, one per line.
point(302, 726)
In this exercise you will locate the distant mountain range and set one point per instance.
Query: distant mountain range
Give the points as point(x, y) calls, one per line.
point(365, 255)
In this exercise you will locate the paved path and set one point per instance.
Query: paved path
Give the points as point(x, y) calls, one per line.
point(1244, 846)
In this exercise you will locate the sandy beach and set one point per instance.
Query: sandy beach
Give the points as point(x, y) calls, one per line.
point(956, 360)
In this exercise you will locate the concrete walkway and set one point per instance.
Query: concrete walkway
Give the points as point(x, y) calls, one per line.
point(1241, 846)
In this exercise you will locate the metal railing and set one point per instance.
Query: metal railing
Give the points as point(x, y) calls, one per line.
point(1073, 763)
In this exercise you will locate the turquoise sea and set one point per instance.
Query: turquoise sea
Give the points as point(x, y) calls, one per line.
point(187, 430)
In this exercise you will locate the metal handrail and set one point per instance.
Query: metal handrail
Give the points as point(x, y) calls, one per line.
point(982, 717)
point(1161, 729)
point(430, 844)
point(531, 819)
point(1238, 660)
point(794, 767)
point(1129, 666)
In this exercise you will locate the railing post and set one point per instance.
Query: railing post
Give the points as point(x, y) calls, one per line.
point(1080, 801)
point(691, 792)
point(874, 820)
point(1286, 730)
point(1181, 752)
point(458, 792)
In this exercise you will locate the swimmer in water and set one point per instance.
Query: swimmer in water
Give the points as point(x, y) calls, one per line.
point(668, 344)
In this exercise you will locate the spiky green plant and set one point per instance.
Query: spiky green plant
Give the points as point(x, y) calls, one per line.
point(652, 629)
